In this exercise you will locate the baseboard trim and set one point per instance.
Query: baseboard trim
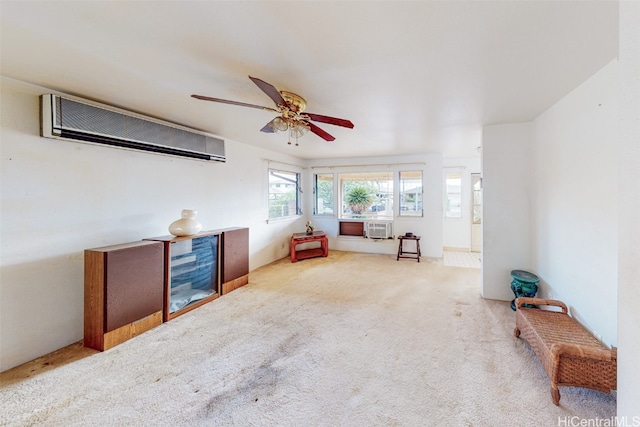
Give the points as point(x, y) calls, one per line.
point(234, 284)
point(453, 249)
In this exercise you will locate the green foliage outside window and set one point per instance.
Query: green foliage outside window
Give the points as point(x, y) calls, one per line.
point(359, 199)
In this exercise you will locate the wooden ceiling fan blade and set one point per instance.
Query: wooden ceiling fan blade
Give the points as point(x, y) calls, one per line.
point(330, 120)
point(270, 90)
point(321, 133)
point(226, 101)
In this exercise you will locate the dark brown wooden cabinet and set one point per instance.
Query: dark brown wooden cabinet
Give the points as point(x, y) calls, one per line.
point(235, 258)
point(123, 292)
point(351, 228)
point(133, 287)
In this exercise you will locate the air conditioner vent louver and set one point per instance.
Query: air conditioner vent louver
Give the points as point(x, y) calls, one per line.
point(379, 230)
point(79, 121)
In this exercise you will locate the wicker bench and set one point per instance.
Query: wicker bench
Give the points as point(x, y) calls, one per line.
point(571, 355)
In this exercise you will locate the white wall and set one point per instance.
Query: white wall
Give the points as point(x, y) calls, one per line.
point(457, 231)
point(576, 202)
point(506, 190)
point(429, 227)
point(550, 203)
point(629, 206)
point(573, 174)
point(61, 197)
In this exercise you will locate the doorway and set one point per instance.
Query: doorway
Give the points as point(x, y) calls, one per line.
point(476, 212)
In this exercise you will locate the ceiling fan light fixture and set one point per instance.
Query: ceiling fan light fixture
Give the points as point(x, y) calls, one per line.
point(279, 124)
point(299, 129)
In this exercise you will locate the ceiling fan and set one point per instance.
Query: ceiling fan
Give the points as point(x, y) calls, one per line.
point(290, 108)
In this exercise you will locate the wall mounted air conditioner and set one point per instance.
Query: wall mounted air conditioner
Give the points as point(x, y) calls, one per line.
point(86, 121)
point(379, 230)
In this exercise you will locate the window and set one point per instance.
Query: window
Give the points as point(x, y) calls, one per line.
point(367, 195)
point(411, 193)
point(453, 191)
point(323, 190)
point(284, 194)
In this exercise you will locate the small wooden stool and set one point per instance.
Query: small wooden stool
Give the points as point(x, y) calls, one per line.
point(405, 254)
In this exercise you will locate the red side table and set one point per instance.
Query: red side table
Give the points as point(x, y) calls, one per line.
point(300, 238)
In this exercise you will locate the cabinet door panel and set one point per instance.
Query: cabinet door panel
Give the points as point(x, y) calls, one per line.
point(134, 284)
point(236, 254)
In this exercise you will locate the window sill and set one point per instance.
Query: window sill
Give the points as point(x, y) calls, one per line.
point(371, 219)
point(284, 219)
point(364, 239)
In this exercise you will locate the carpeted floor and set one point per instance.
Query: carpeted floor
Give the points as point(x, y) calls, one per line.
point(349, 340)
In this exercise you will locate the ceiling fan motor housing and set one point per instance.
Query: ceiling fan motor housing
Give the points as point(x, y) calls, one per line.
point(296, 102)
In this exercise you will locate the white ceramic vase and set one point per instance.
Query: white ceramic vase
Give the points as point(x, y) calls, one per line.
point(187, 225)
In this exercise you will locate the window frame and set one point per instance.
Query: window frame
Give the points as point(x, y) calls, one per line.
point(317, 201)
point(273, 172)
point(371, 214)
point(418, 212)
point(448, 193)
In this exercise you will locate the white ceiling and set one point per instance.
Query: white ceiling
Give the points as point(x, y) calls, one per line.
point(414, 77)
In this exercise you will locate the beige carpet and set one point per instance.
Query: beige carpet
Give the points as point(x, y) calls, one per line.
point(349, 340)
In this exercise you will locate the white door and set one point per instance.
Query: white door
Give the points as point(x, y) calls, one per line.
point(476, 212)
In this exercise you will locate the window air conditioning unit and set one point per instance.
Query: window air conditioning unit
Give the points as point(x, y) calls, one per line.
point(379, 230)
point(90, 122)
